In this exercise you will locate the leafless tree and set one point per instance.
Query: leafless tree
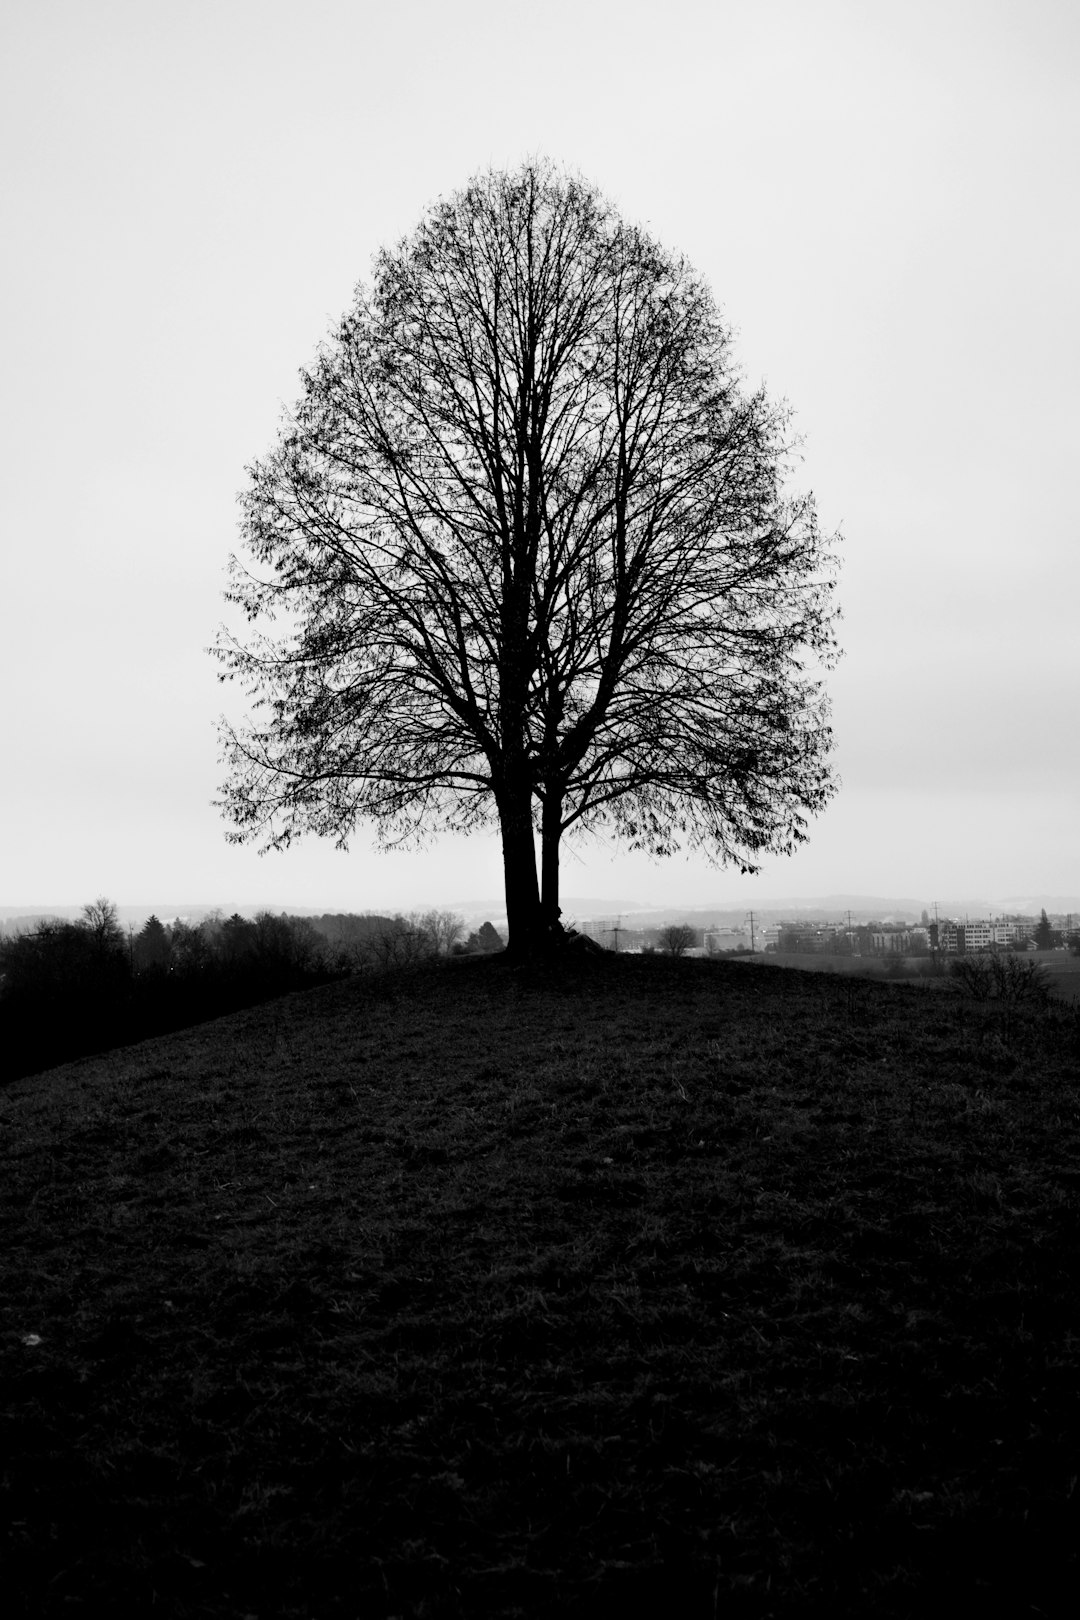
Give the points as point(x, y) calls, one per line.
point(444, 929)
point(102, 920)
point(988, 975)
point(528, 547)
point(676, 939)
point(402, 942)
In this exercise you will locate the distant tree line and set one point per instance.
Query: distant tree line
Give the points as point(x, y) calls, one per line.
point(68, 989)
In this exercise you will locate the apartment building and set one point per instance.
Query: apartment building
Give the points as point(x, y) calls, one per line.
point(979, 935)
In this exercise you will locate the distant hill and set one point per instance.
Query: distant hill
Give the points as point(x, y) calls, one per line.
point(1043, 902)
point(727, 913)
point(862, 908)
point(138, 914)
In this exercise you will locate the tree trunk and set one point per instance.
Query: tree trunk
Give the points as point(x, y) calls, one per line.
point(519, 874)
point(550, 834)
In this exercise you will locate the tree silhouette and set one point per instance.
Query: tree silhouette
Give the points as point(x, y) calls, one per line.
point(676, 939)
point(527, 544)
point(102, 920)
point(151, 948)
point(443, 929)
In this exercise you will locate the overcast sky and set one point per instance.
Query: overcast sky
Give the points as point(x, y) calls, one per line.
point(884, 199)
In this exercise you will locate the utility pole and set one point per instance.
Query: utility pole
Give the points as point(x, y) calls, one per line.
point(617, 930)
point(750, 914)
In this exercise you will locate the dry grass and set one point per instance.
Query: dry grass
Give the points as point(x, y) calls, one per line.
point(722, 1289)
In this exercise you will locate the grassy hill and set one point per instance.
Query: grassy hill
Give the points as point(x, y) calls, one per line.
point(714, 1288)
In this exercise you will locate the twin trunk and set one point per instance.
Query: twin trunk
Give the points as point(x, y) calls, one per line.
point(532, 906)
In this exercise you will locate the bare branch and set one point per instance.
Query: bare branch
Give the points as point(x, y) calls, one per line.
point(530, 542)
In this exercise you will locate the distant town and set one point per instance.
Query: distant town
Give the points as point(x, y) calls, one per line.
point(845, 937)
point(837, 925)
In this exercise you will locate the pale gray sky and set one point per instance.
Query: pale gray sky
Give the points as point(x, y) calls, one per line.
point(883, 197)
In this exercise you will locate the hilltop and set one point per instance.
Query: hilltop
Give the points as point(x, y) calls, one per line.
point(698, 1286)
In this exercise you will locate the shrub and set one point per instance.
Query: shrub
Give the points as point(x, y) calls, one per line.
point(992, 976)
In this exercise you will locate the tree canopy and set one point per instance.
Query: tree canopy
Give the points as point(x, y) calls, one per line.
point(524, 555)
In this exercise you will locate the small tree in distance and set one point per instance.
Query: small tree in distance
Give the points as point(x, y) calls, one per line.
point(444, 929)
point(102, 921)
point(484, 941)
point(151, 948)
point(528, 539)
point(676, 939)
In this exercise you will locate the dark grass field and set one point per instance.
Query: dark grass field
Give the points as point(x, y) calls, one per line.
point(699, 1289)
